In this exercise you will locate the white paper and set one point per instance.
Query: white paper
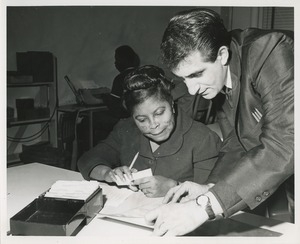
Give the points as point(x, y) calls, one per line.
point(135, 176)
point(80, 190)
point(114, 195)
point(136, 205)
point(88, 84)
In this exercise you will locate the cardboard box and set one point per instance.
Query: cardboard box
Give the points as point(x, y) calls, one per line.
point(56, 216)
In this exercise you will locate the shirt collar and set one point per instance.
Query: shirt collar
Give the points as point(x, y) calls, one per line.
point(228, 82)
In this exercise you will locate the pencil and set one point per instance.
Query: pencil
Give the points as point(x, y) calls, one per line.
point(133, 160)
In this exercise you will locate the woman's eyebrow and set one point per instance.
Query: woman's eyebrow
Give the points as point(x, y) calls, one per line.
point(145, 116)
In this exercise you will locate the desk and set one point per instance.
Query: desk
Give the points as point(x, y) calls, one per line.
point(82, 109)
point(90, 110)
point(26, 182)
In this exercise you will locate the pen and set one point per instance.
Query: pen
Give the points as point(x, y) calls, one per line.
point(133, 160)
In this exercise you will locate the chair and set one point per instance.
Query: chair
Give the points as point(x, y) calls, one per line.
point(202, 109)
point(67, 137)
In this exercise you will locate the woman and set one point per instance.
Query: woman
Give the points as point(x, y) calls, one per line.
point(168, 141)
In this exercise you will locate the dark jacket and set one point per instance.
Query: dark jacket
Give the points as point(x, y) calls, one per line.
point(191, 143)
point(256, 157)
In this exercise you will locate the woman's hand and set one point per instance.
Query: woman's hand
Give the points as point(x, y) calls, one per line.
point(155, 186)
point(185, 192)
point(112, 174)
point(105, 173)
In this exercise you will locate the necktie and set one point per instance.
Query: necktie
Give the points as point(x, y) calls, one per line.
point(228, 94)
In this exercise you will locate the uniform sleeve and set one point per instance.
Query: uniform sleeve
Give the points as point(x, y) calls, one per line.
point(107, 152)
point(261, 170)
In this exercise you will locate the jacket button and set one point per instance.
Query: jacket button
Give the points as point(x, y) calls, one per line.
point(266, 193)
point(258, 198)
point(150, 161)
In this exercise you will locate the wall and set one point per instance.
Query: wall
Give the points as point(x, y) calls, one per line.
point(84, 38)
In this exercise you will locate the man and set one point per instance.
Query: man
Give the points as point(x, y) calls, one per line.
point(126, 60)
point(252, 71)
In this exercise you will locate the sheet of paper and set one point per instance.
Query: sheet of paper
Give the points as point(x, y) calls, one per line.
point(136, 205)
point(114, 195)
point(80, 190)
point(125, 205)
point(135, 221)
point(88, 84)
point(135, 176)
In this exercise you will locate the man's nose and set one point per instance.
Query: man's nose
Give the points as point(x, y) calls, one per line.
point(193, 87)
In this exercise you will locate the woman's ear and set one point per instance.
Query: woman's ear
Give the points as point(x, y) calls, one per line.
point(173, 109)
point(223, 55)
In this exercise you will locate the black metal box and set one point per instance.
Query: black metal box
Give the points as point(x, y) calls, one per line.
point(56, 216)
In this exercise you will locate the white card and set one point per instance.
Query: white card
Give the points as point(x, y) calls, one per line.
point(135, 176)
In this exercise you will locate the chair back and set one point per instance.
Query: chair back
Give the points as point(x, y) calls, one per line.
point(66, 128)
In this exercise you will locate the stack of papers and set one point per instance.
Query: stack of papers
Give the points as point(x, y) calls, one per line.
point(79, 190)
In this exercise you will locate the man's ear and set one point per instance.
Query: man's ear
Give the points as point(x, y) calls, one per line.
point(223, 55)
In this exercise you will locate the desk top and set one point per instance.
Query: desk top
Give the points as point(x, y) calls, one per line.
point(26, 182)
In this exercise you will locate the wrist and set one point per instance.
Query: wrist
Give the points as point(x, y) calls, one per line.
point(100, 172)
point(216, 206)
point(203, 201)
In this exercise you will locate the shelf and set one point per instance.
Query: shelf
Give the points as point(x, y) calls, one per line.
point(30, 84)
point(16, 122)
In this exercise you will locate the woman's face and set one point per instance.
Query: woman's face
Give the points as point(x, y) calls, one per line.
point(155, 119)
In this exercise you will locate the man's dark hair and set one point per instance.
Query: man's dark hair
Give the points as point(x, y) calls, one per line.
point(197, 29)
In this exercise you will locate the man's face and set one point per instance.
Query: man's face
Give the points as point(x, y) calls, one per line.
point(205, 78)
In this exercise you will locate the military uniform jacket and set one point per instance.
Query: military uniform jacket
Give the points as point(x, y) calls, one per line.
point(257, 154)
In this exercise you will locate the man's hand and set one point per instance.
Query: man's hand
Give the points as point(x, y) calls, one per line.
point(176, 219)
point(185, 192)
point(155, 186)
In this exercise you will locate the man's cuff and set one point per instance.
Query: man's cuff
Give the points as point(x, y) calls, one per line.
point(227, 198)
point(215, 205)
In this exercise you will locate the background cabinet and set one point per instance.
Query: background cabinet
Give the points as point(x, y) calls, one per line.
point(37, 124)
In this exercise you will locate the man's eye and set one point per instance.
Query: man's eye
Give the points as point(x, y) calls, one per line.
point(196, 75)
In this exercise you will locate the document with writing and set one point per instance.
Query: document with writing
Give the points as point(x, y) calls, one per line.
point(126, 205)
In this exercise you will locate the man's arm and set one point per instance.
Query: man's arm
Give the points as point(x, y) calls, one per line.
point(263, 168)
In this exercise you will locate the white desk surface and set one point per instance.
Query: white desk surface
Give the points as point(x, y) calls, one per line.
point(26, 182)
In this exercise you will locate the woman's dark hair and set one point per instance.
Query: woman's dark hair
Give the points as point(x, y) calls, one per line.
point(144, 82)
point(197, 29)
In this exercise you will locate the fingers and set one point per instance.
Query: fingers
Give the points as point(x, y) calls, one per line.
point(161, 229)
point(182, 191)
point(142, 181)
point(170, 194)
point(123, 173)
point(127, 172)
point(175, 194)
point(133, 188)
point(119, 173)
point(152, 215)
point(111, 176)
